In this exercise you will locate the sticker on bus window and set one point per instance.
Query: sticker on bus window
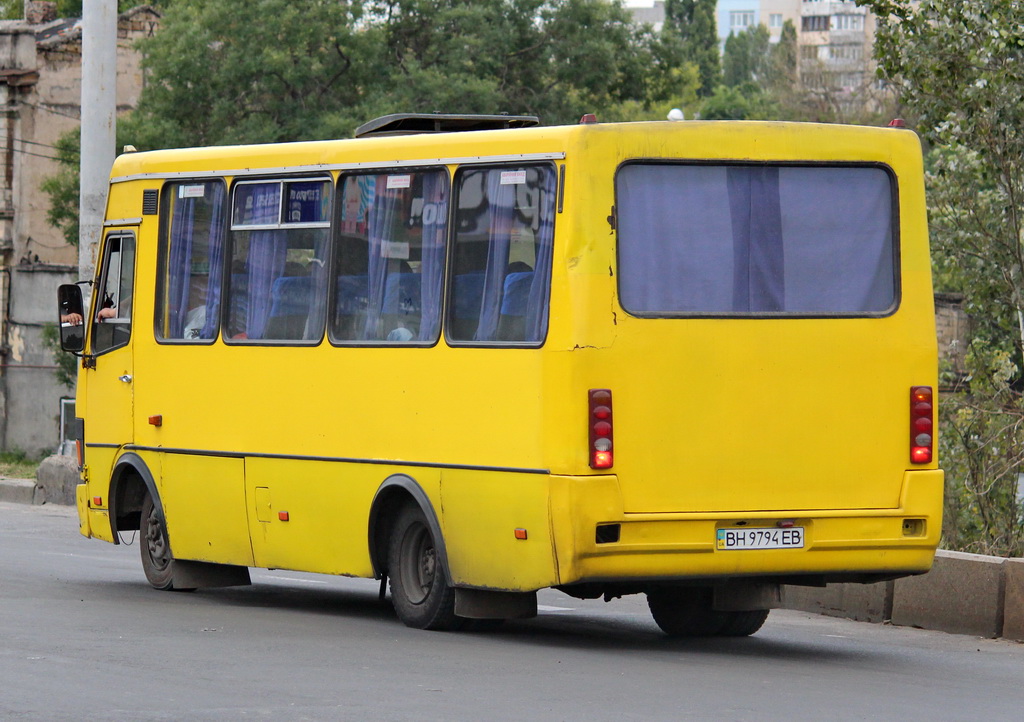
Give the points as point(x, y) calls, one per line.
point(513, 177)
point(195, 191)
point(399, 181)
point(394, 249)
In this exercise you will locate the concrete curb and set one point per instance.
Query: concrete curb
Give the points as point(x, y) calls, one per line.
point(962, 594)
point(18, 491)
point(55, 482)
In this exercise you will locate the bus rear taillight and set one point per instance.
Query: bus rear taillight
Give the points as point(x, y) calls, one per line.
point(922, 424)
point(599, 419)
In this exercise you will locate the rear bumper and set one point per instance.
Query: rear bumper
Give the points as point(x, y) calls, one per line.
point(853, 545)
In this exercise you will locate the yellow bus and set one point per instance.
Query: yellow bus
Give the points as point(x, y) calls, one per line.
point(477, 358)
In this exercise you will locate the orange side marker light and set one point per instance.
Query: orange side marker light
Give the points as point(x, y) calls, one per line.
point(520, 533)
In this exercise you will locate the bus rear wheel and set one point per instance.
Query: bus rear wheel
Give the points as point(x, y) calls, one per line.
point(420, 591)
point(155, 548)
point(689, 612)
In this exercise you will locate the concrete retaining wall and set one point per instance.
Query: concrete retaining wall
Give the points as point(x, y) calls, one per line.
point(1013, 606)
point(962, 594)
point(56, 479)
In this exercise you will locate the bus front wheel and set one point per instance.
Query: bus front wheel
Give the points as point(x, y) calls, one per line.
point(420, 591)
point(157, 561)
point(688, 612)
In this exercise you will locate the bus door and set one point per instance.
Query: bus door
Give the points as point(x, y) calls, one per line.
point(108, 368)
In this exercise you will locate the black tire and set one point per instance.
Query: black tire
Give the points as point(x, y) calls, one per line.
point(155, 548)
point(743, 624)
point(482, 625)
point(420, 592)
point(685, 612)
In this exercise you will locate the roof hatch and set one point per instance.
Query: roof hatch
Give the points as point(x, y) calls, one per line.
point(409, 123)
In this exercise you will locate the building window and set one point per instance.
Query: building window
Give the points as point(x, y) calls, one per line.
point(849, 81)
point(847, 22)
point(846, 52)
point(741, 20)
point(809, 52)
point(814, 23)
point(775, 20)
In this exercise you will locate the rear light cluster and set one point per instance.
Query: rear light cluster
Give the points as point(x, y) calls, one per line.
point(922, 424)
point(600, 422)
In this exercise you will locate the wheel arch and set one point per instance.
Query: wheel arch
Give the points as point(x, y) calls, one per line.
point(392, 494)
point(130, 481)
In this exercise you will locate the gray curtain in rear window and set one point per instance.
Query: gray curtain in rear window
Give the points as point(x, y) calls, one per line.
point(739, 239)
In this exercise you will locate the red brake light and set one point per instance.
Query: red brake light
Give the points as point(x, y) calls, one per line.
point(922, 424)
point(599, 423)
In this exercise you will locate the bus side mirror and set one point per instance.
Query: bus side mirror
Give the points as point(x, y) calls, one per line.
point(71, 314)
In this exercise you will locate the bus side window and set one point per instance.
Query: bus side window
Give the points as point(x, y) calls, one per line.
point(502, 260)
point(191, 261)
point(112, 315)
point(278, 279)
point(389, 260)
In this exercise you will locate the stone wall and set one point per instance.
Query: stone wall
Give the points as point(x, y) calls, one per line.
point(962, 594)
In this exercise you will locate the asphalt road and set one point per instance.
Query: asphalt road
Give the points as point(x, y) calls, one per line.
point(82, 636)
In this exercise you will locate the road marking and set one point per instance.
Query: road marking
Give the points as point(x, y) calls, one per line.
point(546, 608)
point(292, 579)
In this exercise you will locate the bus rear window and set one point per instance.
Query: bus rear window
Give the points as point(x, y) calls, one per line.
point(736, 240)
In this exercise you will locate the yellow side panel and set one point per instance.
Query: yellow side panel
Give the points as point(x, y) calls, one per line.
point(99, 525)
point(328, 508)
point(82, 504)
point(481, 513)
point(99, 461)
point(204, 504)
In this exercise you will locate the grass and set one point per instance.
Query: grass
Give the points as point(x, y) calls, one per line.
point(16, 465)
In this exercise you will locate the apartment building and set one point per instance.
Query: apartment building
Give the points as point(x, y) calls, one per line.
point(40, 99)
point(835, 37)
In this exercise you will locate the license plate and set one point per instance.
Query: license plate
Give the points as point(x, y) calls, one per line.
point(761, 538)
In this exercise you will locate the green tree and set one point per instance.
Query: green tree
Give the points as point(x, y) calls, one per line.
point(693, 21)
point(318, 68)
point(741, 102)
point(63, 188)
point(960, 68)
point(747, 57)
point(313, 69)
point(216, 77)
point(553, 59)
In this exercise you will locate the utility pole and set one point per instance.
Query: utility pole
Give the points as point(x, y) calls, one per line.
point(99, 104)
